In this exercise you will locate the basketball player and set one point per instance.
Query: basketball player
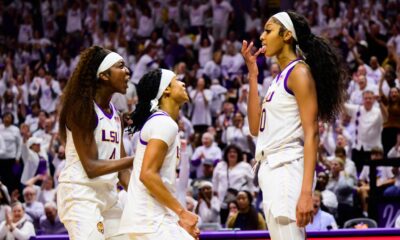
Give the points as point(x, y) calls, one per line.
point(287, 122)
point(152, 210)
point(87, 195)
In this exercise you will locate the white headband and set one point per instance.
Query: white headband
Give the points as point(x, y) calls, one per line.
point(166, 78)
point(111, 59)
point(284, 18)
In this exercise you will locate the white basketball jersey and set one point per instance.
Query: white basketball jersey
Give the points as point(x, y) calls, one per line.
point(142, 212)
point(108, 139)
point(280, 136)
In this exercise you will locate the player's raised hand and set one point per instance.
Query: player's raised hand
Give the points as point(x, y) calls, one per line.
point(251, 58)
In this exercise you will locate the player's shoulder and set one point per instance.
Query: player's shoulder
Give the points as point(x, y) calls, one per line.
point(300, 76)
point(301, 68)
point(161, 119)
point(159, 116)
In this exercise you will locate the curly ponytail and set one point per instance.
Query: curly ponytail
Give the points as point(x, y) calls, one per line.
point(147, 90)
point(77, 107)
point(326, 67)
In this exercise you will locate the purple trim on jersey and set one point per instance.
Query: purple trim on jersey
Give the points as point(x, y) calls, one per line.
point(108, 115)
point(263, 116)
point(285, 81)
point(269, 98)
point(279, 75)
point(142, 141)
point(153, 115)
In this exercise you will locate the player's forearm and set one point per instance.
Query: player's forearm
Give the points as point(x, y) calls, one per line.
point(152, 181)
point(311, 140)
point(253, 109)
point(96, 168)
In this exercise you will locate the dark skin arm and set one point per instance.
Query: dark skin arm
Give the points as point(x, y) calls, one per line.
point(88, 155)
point(302, 84)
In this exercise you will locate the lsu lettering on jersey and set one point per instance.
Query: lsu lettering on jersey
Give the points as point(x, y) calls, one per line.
point(107, 135)
point(280, 136)
point(85, 205)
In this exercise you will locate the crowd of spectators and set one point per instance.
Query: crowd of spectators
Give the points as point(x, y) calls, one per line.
point(200, 40)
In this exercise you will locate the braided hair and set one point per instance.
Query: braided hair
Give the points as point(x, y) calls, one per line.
point(147, 90)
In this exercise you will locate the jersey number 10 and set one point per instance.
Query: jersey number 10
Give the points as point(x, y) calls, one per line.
point(263, 120)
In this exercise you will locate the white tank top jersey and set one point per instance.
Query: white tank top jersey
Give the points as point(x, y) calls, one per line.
point(142, 212)
point(280, 137)
point(108, 139)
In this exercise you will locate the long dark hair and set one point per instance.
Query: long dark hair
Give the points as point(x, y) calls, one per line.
point(77, 108)
point(326, 67)
point(147, 90)
point(251, 216)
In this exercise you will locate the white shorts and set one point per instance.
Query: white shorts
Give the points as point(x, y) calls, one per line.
point(169, 230)
point(281, 187)
point(84, 219)
point(96, 226)
point(283, 228)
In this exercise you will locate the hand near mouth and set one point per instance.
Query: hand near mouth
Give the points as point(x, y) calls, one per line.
point(251, 59)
